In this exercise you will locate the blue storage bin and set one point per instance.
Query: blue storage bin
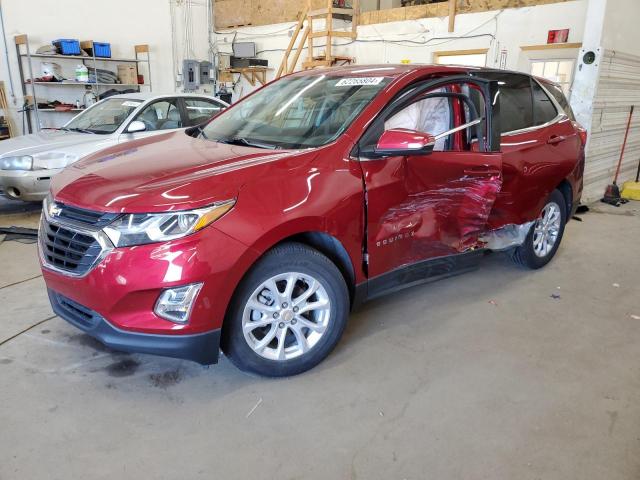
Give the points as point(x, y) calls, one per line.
point(102, 49)
point(67, 46)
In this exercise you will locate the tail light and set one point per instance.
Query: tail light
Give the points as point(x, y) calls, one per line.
point(582, 132)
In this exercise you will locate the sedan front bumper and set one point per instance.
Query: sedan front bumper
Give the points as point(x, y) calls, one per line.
point(27, 185)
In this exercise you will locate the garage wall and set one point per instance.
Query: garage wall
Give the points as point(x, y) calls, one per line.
point(417, 40)
point(618, 88)
point(605, 90)
point(121, 23)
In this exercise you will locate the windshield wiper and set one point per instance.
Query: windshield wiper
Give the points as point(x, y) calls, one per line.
point(247, 143)
point(75, 129)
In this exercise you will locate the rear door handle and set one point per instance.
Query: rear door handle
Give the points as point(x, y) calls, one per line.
point(555, 139)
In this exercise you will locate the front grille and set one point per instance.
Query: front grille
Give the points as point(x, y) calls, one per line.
point(86, 217)
point(67, 249)
point(76, 314)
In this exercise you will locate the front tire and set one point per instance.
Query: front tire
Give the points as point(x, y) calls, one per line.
point(287, 314)
point(543, 240)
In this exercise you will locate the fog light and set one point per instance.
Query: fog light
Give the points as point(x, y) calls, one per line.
point(175, 304)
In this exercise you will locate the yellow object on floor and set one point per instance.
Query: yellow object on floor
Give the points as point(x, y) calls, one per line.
point(631, 190)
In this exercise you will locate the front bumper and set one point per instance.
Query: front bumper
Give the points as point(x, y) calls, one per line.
point(202, 347)
point(30, 186)
point(124, 286)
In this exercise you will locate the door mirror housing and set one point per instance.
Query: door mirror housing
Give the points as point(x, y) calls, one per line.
point(405, 142)
point(136, 126)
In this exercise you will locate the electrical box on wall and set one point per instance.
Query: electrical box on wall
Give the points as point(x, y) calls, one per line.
point(205, 72)
point(190, 74)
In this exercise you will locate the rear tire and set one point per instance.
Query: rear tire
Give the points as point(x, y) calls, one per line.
point(287, 314)
point(545, 235)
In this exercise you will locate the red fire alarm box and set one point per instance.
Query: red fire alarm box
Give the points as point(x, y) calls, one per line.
point(558, 36)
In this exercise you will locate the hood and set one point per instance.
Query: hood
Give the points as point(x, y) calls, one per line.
point(72, 144)
point(45, 141)
point(171, 171)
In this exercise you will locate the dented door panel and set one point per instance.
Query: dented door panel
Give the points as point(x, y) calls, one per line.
point(422, 207)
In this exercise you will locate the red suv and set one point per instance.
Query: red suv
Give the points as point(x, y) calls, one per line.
point(257, 232)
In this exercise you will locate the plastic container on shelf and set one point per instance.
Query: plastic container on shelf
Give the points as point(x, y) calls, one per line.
point(102, 49)
point(67, 46)
point(82, 74)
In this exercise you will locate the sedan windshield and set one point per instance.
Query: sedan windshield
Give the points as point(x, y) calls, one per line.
point(295, 112)
point(105, 117)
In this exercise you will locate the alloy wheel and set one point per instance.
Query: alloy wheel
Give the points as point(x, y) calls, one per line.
point(547, 229)
point(286, 316)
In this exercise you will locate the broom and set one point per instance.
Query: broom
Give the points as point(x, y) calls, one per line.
point(612, 192)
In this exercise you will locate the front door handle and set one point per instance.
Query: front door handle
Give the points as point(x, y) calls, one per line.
point(555, 139)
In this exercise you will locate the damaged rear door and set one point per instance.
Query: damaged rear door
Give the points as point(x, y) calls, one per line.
point(424, 205)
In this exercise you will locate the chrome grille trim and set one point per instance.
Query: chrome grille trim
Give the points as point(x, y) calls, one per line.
point(90, 261)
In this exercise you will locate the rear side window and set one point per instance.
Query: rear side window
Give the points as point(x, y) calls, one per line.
point(516, 109)
point(561, 99)
point(543, 109)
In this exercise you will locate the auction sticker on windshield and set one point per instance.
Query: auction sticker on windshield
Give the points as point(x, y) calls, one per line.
point(129, 103)
point(358, 81)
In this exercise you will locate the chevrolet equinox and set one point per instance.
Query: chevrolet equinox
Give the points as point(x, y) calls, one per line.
point(257, 232)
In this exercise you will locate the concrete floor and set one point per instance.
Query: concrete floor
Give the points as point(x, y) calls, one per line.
point(485, 375)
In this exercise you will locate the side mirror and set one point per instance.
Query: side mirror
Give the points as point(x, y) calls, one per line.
point(136, 126)
point(401, 141)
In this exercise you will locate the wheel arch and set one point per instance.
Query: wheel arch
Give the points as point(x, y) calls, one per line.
point(324, 242)
point(567, 192)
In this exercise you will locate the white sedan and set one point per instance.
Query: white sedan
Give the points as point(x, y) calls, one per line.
point(27, 163)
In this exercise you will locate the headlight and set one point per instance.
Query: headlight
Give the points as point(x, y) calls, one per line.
point(22, 162)
point(52, 160)
point(140, 228)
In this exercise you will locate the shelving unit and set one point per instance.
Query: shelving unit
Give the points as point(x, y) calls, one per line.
point(252, 74)
point(26, 58)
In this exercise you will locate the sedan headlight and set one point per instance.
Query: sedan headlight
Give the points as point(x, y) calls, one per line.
point(140, 228)
point(22, 162)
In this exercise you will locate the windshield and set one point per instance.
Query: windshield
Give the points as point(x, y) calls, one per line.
point(295, 112)
point(105, 117)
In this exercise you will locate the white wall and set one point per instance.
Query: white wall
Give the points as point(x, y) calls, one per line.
point(122, 23)
point(605, 90)
point(416, 40)
point(621, 30)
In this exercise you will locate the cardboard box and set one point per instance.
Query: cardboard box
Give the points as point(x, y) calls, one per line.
point(128, 74)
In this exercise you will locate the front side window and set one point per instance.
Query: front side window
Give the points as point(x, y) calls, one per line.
point(162, 115)
point(429, 115)
point(199, 111)
point(296, 112)
point(105, 117)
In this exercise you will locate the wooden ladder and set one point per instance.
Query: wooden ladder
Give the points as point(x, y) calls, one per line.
point(329, 13)
point(286, 67)
point(4, 106)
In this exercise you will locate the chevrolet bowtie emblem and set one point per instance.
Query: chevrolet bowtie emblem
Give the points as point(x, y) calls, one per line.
point(54, 210)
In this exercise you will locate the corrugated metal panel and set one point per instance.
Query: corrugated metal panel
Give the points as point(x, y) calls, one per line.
point(618, 89)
